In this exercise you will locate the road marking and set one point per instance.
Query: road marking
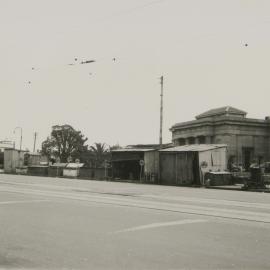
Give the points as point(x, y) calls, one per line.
point(25, 201)
point(161, 224)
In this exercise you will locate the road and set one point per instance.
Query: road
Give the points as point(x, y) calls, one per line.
point(52, 223)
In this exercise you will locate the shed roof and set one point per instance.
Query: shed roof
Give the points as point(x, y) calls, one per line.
point(59, 165)
point(148, 146)
point(221, 111)
point(74, 165)
point(38, 166)
point(194, 148)
point(34, 153)
point(220, 172)
point(13, 149)
point(134, 150)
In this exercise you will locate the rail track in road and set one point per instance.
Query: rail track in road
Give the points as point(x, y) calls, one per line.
point(253, 212)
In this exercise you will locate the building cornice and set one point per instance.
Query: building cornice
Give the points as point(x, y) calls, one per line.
point(226, 120)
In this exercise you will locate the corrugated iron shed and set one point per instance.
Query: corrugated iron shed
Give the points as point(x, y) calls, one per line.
point(194, 148)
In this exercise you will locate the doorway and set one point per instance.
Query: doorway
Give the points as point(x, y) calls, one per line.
point(247, 157)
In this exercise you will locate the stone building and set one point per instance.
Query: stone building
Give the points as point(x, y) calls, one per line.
point(247, 138)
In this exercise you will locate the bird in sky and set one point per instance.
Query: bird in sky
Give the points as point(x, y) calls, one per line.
point(114, 59)
point(246, 45)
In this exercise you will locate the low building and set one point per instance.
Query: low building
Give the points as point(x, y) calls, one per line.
point(72, 170)
point(38, 170)
point(129, 163)
point(247, 138)
point(16, 160)
point(4, 145)
point(56, 169)
point(34, 158)
point(137, 162)
point(13, 159)
point(187, 165)
point(95, 173)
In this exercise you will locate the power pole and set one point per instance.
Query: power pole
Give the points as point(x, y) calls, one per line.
point(161, 113)
point(20, 138)
point(35, 139)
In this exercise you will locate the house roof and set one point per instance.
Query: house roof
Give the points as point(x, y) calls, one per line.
point(221, 111)
point(194, 148)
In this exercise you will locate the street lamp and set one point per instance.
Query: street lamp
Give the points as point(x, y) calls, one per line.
point(21, 136)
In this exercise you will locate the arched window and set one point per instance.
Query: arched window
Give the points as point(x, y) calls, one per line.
point(201, 139)
point(181, 141)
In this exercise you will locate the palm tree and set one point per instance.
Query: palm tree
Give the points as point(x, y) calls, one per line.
point(114, 147)
point(100, 152)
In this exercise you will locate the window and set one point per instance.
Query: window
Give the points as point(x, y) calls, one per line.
point(201, 139)
point(181, 141)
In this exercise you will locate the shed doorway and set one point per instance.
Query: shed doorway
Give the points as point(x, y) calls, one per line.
point(126, 170)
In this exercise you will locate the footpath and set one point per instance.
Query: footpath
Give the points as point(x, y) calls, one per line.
point(240, 187)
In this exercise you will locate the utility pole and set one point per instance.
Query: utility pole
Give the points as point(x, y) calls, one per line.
point(161, 113)
point(21, 141)
point(20, 138)
point(20, 155)
point(35, 139)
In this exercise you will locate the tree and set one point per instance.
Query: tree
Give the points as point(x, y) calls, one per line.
point(64, 142)
point(88, 158)
point(100, 152)
point(115, 147)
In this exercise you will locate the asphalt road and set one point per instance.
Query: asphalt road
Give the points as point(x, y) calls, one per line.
point(49, 223)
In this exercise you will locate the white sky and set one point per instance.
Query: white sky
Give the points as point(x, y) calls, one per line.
point(199, 47)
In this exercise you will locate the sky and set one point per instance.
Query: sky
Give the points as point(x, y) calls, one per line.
point(212, 53)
